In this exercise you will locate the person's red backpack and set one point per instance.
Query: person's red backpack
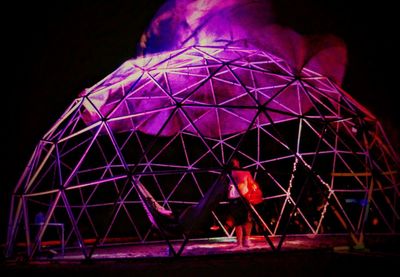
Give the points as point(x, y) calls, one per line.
point(254, 194)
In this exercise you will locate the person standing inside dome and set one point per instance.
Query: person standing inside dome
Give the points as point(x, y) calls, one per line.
point(240, 215)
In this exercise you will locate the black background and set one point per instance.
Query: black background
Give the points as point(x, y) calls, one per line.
point(52, 51)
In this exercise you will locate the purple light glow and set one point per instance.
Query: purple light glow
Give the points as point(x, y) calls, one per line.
point(185, 23)
point(218, 89)
point(165, 125)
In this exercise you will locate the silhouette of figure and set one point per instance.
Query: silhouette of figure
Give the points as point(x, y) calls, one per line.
point(240, 216)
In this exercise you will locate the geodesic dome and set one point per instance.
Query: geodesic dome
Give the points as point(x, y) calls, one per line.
point(167, 125)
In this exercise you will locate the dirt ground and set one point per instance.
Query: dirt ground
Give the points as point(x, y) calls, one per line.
point(379, 261)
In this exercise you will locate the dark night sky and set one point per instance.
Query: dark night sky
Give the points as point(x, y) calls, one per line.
point(55, 50)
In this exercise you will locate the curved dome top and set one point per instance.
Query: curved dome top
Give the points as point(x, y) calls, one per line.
point(213, 90)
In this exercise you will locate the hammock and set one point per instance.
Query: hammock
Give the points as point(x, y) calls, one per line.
point(161, 217)
point(153, 203)
point(191, 218)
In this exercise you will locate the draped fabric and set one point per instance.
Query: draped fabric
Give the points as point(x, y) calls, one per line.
point(213, 22)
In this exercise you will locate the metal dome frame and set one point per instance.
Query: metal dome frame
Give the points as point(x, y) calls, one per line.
point(171, 122)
